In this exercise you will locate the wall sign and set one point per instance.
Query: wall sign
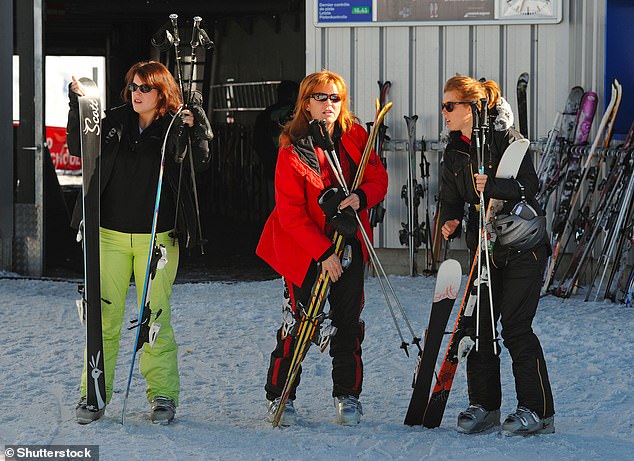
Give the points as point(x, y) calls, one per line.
point(329, 13)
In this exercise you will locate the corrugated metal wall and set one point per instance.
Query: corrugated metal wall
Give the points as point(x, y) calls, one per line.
point(418, 60)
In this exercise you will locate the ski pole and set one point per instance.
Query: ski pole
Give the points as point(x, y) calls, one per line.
point(331, 157)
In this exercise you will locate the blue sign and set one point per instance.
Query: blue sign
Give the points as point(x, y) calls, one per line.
point(344, 11)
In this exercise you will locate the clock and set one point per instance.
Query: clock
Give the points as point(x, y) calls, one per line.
point(529, 10)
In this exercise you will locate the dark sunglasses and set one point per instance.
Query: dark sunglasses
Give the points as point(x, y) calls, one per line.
point(144, 87)
point(321, 97)
point(449, 106)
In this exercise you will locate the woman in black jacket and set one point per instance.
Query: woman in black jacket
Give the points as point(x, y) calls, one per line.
point(132, 137)
point(517, 262)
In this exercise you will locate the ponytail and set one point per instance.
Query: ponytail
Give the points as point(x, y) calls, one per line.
point(473, 90)
point(493, 92)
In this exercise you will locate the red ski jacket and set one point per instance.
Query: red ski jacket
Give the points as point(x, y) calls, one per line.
point(295, 233)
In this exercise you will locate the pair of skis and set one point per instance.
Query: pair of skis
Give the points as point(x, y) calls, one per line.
point(308, 325)
point(425, 408)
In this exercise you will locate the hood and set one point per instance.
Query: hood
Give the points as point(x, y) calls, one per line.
point(504, 118)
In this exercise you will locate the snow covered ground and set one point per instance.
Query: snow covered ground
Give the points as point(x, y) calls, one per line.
point(226, 332)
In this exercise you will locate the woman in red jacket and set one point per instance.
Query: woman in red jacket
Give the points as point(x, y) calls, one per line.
point(297, 239)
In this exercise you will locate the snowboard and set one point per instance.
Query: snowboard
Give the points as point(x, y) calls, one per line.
point(508, 168)
point(445, 293)
point(90, 304)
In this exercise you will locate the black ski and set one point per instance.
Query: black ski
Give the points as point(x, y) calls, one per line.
point(522, 108)
point(90, 304)
point(445, 293)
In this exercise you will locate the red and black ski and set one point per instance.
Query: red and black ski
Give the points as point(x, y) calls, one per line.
point(445, 293)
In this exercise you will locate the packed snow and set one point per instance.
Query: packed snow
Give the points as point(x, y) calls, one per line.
point(226, 332)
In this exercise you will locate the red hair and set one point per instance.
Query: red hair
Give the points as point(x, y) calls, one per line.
point(470, 89)
point(298, 126)
point(157, 76)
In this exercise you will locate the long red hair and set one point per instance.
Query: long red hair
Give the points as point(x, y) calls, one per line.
point(298, 126)
point(157, 76)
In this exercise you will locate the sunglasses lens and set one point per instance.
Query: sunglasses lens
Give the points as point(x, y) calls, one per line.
point(448, 106)
point(145, 88)
point(321, 97)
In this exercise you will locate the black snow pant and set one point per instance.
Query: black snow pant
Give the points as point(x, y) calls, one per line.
point(516, 280)
point(346, 301)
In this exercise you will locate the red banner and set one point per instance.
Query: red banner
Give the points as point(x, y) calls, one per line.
point(56, 141)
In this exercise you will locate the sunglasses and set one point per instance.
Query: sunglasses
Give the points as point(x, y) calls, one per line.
point(449, 106)
point(321, 97)
point(144, 87)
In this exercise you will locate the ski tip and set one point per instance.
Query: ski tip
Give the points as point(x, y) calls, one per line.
point(448, 280)
point(90, 87)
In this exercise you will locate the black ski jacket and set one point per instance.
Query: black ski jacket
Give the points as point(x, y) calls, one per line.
point(113, 126)
point(460, 163)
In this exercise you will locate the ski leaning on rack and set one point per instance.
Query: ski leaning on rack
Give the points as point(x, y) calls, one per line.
point(90, 305)
point(307, 328)
point(156, 259)
point(508, 168)
point(411, 233)
point(522, 108)
point(445, 293)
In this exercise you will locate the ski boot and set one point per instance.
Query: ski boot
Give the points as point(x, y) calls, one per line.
point(85, 415)
point(289, 417)
point(526, 422)
point(162, 410)
point(476, 419)
point(349, 410)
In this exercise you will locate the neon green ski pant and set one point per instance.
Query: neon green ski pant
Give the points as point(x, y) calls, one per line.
point(122, 255)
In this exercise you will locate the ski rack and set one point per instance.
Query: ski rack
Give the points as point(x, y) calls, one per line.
point(583, 150)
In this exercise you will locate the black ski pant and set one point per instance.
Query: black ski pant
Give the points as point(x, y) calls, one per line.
point(346, 301)
point(516, 280)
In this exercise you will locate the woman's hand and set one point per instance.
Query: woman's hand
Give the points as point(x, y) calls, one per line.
point(187, 117)
point(332, 265)
point(77, 87)
point(480, 181)
point(351, 200)
point(449, 228)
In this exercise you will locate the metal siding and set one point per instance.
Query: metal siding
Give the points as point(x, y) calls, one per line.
point(427, 82)
point(457, 51)
point(398, 71)
point(338, 52)
point(399, 47)
point(517, 59)
point(487, 55)
point(550, 80)
point(368, 72)
point(418, 60)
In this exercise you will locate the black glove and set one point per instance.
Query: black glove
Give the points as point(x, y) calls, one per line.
point(202, 127)
point(343, 221)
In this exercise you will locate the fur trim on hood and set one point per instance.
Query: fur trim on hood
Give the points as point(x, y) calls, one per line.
point(504, 120)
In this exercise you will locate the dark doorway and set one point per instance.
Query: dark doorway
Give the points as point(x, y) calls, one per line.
point(255, 42)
